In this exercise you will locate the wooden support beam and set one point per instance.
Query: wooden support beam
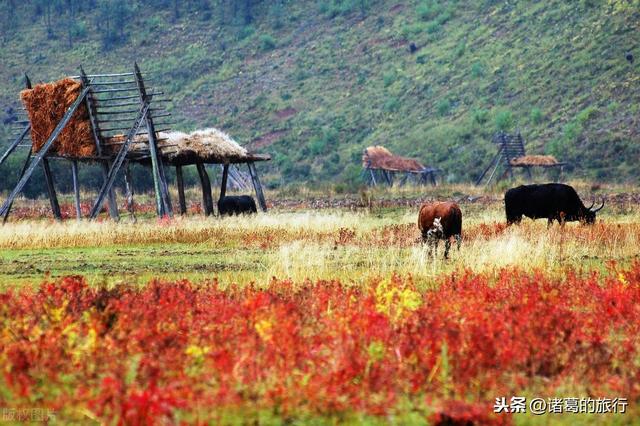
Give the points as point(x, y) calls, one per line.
point(225, 177)
point(257, 186)
point(205, 183)
point(493, 161)
point(117, 162)
point(180, 184)
point(51, 190)
point(95, 130)
point(387, 177)
point(15, 143)
point(160, 180)
point(76, 188)
point(5, 215)
point(128, 186)
point(43, 151)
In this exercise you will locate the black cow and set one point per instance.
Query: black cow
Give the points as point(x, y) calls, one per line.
point(551, 200)
point(238, 204)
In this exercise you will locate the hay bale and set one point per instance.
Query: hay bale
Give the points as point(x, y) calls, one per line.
point(379, 157)
point(46, 104)
point(209, 143)
point(534, 160)
point(205, 145)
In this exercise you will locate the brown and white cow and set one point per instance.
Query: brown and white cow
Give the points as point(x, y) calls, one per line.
point(440, 221)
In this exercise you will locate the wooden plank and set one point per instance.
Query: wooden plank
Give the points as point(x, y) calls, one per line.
point(205, 183)
point(51, 190)
point(15, 143)
point(76, 188)
point(180, 183)
point(159, 178)
point(43, 151)
point(128, 186)
point(24, 168)
point(225, 176)
point(97, 140)
point(257, 186)
point(117, 162)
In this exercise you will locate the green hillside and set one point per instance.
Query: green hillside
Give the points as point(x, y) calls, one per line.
point(314, 83)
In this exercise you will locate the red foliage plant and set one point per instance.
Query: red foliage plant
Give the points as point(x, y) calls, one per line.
point(321, 348)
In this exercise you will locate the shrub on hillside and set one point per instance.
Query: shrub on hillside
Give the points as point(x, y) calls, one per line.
point(536, 116)
point(504, 120)
point(267, 42)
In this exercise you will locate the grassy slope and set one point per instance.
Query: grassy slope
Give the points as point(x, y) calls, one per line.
point(332, 86)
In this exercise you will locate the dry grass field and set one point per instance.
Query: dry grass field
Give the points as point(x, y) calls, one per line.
point(327, 314)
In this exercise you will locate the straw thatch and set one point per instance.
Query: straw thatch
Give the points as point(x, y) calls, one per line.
point(208, 145)
point(534, 160)
point(46, 104)
point(379, 157)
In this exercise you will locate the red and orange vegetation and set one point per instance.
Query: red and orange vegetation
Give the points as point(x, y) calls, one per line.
point(179, 351)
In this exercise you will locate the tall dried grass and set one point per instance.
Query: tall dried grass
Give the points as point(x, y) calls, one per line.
point(354, 246)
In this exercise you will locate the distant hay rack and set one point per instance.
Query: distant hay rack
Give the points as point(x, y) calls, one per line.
point(534, 160)
point(380, 164)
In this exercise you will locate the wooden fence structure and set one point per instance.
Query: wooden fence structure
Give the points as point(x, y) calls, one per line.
point(122, 111)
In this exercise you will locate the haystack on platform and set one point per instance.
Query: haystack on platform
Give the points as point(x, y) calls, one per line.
point(511, 153)
point(114, 120)
point(381, 165)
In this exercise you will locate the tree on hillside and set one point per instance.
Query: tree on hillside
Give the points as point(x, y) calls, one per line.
point(44, 8)
point(112, 18)
point(8, 21)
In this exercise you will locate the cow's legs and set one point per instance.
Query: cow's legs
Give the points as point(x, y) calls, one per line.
point(549, 222)
point(511, 219)
point(447, 246)
point(458, 238)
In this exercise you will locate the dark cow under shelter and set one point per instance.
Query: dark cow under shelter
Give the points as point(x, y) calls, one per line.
point(553, 201)
point(236, 204)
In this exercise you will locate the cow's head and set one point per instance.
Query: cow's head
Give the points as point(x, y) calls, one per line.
point(589, 215)
point(436, 231)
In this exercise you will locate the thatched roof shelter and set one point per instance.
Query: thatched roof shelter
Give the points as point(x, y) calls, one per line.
point(380, 158)
point(207, 146)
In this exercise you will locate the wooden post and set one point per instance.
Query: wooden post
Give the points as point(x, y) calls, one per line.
point(163, 202)
point(15, 143)
point(387, 177)
point(95, 129)
point(205, 183)
point(53, 198)
point(180, 183)
point(128, 186)
point(257, 186)
point(119, 159)
point(5, 214)
point(223, 185)
point(76, 188)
